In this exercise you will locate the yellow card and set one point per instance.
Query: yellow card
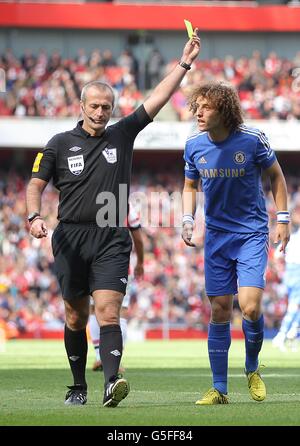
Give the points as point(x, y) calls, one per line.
point(189, 28)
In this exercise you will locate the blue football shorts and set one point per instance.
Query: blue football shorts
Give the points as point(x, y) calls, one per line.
point(232, 260)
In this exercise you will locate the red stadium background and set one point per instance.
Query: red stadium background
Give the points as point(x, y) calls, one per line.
point(170, 302)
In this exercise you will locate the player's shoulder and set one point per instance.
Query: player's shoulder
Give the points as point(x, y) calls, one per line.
point(250, 132)
point(195, 138)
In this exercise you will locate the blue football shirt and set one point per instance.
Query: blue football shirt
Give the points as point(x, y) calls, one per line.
point(230, 173)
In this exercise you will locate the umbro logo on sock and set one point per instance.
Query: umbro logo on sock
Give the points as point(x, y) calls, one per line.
point(74, 358)
point(116, 353)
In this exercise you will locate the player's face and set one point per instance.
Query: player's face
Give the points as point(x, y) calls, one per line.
point(97, 110)
point(208, 118)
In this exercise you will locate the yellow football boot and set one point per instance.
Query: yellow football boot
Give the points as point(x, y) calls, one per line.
point(213, 396)
point(256, 385)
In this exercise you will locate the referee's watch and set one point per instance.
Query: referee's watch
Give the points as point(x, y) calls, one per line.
point(32, 216)
point(184, 65)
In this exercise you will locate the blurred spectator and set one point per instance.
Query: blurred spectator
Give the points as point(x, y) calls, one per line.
point(49, 85)
point(154, 67)
point(29, 294)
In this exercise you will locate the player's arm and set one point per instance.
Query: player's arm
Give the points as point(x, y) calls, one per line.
point(34, 192)
point(164, 90)
point(279, 191)
point(189, 207)
point(42, 171)
point(138, 243)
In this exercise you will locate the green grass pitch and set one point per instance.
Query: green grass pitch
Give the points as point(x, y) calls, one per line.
point(166, 378)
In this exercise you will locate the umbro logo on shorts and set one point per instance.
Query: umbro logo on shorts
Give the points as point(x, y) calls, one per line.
point(123, 280)
point(116, 353)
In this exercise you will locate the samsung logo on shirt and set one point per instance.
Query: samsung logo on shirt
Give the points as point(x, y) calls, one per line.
point(222, 173)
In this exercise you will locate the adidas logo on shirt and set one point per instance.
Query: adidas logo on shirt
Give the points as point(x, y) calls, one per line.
point(202, 160)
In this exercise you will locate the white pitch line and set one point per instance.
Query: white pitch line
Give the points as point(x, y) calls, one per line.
point(230, 375)
point(274, 396)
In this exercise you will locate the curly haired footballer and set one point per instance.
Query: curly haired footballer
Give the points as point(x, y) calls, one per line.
point(222, 97)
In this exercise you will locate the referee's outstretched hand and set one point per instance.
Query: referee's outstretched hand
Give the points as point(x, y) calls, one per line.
point(38, 228)
point(187, 234)
point(192, 48)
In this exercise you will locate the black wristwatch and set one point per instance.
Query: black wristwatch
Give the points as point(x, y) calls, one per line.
point(184, 65)
point(32, 216)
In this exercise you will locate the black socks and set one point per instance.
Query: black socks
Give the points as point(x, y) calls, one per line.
point(111, 347)
point(76, 348)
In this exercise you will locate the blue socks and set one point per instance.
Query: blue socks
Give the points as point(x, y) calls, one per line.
point(254, 336)
point(219, 340)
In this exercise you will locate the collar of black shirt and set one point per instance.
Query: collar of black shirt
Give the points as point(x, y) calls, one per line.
point(78, 130)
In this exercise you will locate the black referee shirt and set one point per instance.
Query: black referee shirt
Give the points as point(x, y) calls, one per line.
point(82, 165)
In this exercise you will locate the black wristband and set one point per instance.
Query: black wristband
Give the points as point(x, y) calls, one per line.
point(36, 218)
point(32, 216)
point(184, 65)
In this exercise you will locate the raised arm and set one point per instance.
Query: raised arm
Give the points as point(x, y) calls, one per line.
point(164, 90)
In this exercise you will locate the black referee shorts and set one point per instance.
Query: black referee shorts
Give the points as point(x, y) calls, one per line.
point(89, 258)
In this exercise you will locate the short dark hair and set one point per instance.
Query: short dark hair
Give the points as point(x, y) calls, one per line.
point(221, 96)
point(98, 84)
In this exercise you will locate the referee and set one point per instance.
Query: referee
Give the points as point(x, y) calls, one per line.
point(91, 259)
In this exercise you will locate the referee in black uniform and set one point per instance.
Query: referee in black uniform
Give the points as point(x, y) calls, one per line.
point(92, 259)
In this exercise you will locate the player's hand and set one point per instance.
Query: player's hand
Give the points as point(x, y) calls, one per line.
point(191, 49)
point(282, 234)
point(187, 234)
point(38, 228)
point(139, 271)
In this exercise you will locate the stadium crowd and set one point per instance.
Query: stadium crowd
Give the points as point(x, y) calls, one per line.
point(173, 282)
point(49, 85)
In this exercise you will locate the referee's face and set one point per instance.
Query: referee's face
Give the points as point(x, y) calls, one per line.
point(96, 110)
